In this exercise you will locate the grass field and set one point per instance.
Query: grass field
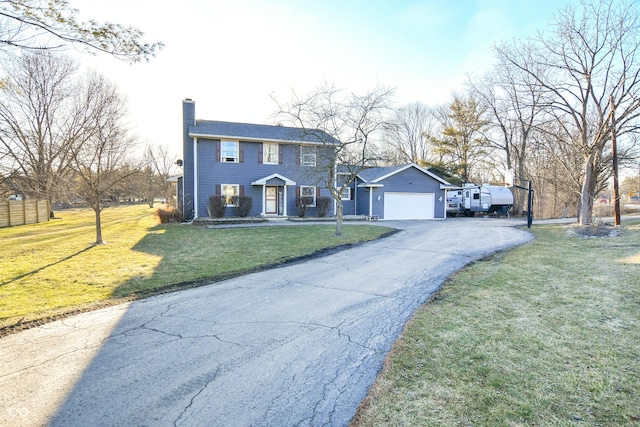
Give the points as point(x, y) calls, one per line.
point(547, 334)
point(53, 268)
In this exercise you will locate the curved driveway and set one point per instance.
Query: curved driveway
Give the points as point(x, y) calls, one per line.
point(297, 345)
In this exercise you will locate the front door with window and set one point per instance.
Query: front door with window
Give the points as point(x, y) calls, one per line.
point(271, 200)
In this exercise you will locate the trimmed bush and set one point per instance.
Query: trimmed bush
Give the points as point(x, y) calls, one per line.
point(243, 205)
point(217, 206)
point(323, 204)
point(303, 204)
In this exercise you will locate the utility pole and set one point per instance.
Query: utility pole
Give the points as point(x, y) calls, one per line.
point(616, 196)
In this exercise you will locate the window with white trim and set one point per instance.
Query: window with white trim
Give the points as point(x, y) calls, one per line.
point(229, 191)
point(270, 153)
point(229, 151)
point(307, 155)
point(346, 194)
point(309, 191)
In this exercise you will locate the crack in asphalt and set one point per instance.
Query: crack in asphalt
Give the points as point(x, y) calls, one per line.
point(209, 378)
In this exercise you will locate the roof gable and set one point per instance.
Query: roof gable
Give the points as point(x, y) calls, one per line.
point(376, 175)
point(256, 132)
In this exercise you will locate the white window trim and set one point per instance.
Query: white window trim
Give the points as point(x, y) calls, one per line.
point(264, 153)
point(342, 196)
point(313, 192)
point(302, 156)
point(230, 159)
point(237, 192)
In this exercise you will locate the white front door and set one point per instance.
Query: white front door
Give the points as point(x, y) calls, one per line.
point(271, 200)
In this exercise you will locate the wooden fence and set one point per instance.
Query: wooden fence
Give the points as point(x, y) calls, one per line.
point(21, 212)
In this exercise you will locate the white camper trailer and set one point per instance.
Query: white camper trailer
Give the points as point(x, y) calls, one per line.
point(472, 198)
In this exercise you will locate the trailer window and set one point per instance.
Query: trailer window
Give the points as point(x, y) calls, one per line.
point(476, 196)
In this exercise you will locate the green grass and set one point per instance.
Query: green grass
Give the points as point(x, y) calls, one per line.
point(547, 334)
point(51, 269)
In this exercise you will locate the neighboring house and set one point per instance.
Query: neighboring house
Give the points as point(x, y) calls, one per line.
point(400, 192)
point(271, 164)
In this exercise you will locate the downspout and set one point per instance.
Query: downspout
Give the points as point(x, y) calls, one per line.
point(195, 177)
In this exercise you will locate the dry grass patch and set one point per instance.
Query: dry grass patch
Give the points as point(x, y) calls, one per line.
point(544, 335)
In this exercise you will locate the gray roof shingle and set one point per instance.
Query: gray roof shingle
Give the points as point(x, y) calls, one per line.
point(217, 129)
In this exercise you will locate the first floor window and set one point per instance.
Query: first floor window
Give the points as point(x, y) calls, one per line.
point(230, 191)
point(270, 153)
point(229, 151)
point(308, 192)
point(346, 194)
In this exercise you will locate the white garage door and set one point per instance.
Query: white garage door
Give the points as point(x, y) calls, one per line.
point(409, 205)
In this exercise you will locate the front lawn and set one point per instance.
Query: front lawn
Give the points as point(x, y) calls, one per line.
point(53, 268)
point(546, 334)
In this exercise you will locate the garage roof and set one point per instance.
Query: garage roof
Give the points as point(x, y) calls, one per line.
point(375, 175)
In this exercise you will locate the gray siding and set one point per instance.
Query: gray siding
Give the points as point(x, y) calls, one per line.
point(212, 173)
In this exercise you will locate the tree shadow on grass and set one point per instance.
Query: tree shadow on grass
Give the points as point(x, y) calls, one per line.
point(44, 267)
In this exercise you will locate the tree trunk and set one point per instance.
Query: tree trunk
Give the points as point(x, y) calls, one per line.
point(339, 218)
point(98, 226)
point(586, 202)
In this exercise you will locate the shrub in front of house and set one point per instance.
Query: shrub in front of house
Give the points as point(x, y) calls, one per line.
point(217, 206)
point(323, 204)
point(303, 204)
point(168, 214)
point(243, 205)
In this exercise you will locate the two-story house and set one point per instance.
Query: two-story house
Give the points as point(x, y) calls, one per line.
point(274, 165)
point(271, 164)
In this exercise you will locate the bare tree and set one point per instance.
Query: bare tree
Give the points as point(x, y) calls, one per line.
point(513, 101)
point(160, 165)
point(102, 162)
point(348, 126)
point(39, 124)
point(590, 55)
point(36, 25)
point(408, 135)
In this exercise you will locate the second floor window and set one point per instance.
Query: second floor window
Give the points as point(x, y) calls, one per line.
point(307, 155)
point(270, 154)
point(229, 151)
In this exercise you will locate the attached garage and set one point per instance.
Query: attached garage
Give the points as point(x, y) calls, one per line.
point(409, 205)
point(404, 192)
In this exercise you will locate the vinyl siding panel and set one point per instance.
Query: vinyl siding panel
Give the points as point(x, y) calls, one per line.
point(212, 172)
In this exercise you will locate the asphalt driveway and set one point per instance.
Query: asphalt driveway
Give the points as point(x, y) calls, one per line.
point(293, 346)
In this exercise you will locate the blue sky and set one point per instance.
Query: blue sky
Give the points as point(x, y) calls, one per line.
point(230, 55)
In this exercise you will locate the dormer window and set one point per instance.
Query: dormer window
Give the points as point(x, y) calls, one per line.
point(229, 151)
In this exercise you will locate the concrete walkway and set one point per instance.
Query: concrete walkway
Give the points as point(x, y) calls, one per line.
point(294, 346)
